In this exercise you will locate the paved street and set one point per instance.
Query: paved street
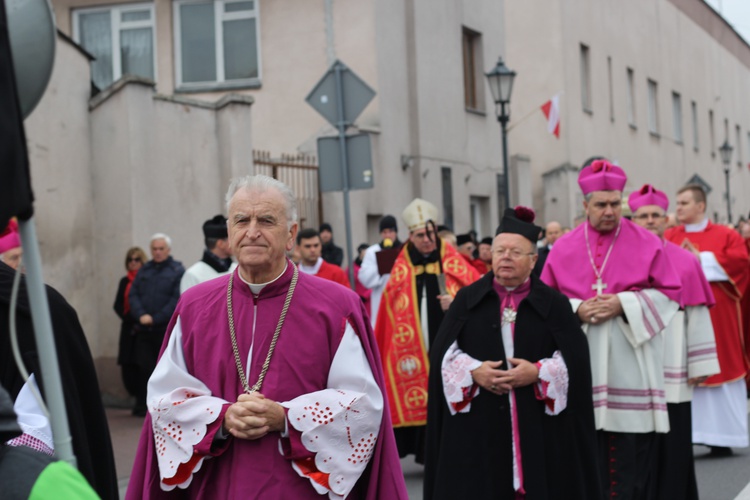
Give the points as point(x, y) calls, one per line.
point(718, 478)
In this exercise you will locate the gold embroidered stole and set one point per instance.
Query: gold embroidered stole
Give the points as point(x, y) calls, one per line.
point(399, 332)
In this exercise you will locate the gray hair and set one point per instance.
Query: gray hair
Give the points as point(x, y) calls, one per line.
point(587, 197)
point(264, 183)
point(161, 236)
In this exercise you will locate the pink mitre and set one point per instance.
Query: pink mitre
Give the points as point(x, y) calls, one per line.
point(647, 195)
point(9, 238)
point(601, 175)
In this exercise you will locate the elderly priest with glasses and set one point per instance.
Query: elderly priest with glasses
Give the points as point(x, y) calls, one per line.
point(510, 409)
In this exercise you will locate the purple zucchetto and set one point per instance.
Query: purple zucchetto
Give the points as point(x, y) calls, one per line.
point(601, 175)
point(647, 195)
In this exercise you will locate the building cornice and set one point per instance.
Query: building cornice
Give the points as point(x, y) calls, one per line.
point(716, 26)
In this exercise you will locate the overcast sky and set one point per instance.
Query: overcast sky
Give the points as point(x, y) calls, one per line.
point(736, 12)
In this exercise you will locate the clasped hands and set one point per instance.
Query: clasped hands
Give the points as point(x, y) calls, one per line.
point(253, 416)
point(600, 308)
point(490, 377)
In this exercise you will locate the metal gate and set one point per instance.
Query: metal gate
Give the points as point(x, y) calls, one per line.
point(300, 173)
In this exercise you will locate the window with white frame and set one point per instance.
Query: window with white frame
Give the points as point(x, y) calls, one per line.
point(121, 39)
point(653, 107)
point(216, 42)
point(677, 117)
point(631, 97)
point(694, 113)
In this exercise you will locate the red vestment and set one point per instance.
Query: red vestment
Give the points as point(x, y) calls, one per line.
point(398, 331)
point(334, 273)
point(732, 256)
point(481, 266)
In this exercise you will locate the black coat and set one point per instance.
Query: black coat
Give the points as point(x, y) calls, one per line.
point(469, 455)
point(126, 352)
point(88, 422)
point(542, 255)
point(332, 254)
point(156, 290)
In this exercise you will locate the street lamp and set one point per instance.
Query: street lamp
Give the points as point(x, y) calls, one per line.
point(726, 157)
point(500, 79)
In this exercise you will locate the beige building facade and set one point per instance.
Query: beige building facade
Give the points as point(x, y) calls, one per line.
point(218, 79)
point(156, 156)
point(655, 85)
point(426, 140)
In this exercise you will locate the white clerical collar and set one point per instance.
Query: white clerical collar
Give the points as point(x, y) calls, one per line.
point(257, 287)
point(311, 269)
point(697, 228)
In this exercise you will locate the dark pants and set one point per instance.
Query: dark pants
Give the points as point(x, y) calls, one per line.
point(411, 441)
point(677, 467)
point(147, 347)
point(629, 464)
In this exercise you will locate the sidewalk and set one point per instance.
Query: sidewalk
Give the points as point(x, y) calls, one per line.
point(125, 430)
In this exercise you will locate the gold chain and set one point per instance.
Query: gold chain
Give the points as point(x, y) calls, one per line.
point(271, 348)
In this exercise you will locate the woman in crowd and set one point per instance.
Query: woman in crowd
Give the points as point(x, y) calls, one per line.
point(134, 259)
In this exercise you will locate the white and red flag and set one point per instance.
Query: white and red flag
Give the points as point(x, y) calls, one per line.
point(551, 110)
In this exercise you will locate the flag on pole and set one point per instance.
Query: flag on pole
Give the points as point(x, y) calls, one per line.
point(551, 110)
point(15, 184)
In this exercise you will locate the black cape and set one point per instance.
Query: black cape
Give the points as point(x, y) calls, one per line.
point(86, 417)
point(469, 455)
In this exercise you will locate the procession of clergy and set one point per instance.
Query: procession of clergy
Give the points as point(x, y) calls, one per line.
point(273, 383)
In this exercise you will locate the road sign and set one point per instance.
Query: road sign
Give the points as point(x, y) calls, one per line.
point(697, 179)
point(356, 95)
point(358, 163)
point(344, 162)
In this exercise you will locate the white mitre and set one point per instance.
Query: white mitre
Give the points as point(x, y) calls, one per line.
point(418, 212)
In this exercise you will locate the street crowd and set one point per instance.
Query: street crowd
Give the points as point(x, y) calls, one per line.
point(532, 363)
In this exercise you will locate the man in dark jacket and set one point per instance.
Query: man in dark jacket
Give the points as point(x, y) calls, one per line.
point(153, 298)
point(510, 410)
point(330, 252)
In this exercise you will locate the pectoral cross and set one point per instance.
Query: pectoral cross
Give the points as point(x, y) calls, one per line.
point(599, 286)
point(509, 315)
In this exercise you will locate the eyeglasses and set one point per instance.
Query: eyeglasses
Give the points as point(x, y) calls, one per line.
point(654, 216)
point(134, 259)
point(514, 253)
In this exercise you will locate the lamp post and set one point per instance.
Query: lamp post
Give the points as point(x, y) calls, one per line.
point(726, 157)
point(500, 79)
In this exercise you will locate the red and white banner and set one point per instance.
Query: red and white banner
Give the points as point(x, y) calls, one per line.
point(551, 110)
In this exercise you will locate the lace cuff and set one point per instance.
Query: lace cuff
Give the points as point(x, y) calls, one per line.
point(184, 423)
point(458, 385)
point(552, 387)
point(339, 430)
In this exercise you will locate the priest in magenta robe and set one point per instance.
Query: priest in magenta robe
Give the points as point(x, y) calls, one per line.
point(269, 383)
point(510, 412)
point(624, 291)
point(689, 348)
point(719, 404)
